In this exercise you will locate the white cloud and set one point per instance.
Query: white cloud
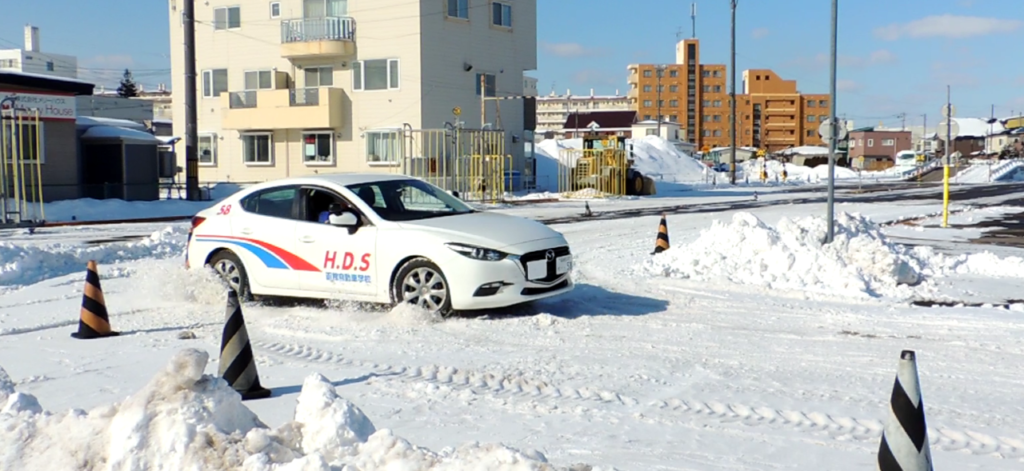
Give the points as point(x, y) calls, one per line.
point(882, 56)
point(947, 26)
point(569, 49)
point(760, 33)
point(879, 57)
point(847, 86)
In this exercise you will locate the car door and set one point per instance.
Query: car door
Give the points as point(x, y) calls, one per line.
point(264, 237)
point(345, 257)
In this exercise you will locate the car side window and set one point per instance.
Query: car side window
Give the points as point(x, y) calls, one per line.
point(317, 201)
point(277, 203)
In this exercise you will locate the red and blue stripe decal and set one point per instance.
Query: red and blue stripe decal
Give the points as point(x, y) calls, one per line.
point(271, 255)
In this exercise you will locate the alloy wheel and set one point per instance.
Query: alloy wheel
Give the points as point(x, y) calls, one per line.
point(425, 288)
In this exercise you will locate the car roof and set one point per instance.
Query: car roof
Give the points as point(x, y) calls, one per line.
point(340, 178)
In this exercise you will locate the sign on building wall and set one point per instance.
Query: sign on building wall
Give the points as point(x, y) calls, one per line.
point(60, 107)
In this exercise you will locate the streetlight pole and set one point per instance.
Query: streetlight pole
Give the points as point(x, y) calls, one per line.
point(732, 101)
point(833, 129)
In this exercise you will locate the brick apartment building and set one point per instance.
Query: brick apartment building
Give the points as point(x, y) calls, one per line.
point(772, 114)
point(873, 143)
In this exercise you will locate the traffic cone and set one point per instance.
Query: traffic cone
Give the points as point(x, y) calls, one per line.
point(93, 322)
point(237, 365)
point(905, 444)
point(661, 244)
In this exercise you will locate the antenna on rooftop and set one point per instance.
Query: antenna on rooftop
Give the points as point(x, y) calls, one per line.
point(693, 18)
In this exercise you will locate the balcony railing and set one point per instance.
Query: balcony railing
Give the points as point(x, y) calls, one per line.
point(243, 99)
point(304, 97)
point(331, 28)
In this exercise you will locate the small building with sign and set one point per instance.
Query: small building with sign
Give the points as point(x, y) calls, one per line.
point(603, 123)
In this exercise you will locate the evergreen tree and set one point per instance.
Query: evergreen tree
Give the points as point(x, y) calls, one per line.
point(127, 89)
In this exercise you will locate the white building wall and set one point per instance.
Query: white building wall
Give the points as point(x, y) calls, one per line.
point(430, 47)
point(57, 65)
point(114, 107)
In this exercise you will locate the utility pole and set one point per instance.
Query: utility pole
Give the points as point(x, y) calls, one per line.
point(693, 18)
point(903, 121)
point(945, 165)
point(924, 131)
point(833, 129)
point(732, 100)
point(191, 111)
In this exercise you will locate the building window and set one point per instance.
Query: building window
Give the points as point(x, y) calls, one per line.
point(718, 89)
point(822, 103)
point(383, 147)
point(458, 9)
point(822, 118)
point(490, 82)
point(673, 118)
point(810, 118)
point(673, 88)
point(871, 143)
point(705, 73)
point(647, 73)
point(673, 73)
point(647, 117)
point(647, 88)
point(379, 74)
point(501, 14)
point(319, 77)
point(810, 133)
point(258, 80)
point(717, 118)
point(207, 149)
point(647, 103)
point(706, 103)
point(718, 103)
point(706, 133)
point(324, 8)
point(717, 73)
point(888, 142)
point(318, 147)
point(707, 118)
point(673, 103)
point(22, 141)
point(215, 82)
point(49, 66)
point(227, 18)
point(707, 88)
point(258, 149)
point(810, 103)
point(275, 9)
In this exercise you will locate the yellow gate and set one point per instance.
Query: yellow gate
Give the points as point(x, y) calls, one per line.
point(470, 162)
point(21, 189)
point(590, 173)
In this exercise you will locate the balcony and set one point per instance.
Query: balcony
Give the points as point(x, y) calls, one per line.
point(318, 38)
point(299, 108)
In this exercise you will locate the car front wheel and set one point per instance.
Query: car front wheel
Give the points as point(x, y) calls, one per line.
point(420, 282)
point(227, 265)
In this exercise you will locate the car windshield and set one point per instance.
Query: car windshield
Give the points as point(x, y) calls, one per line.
point(408, 200)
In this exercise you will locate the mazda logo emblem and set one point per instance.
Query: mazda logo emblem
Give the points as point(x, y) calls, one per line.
point(550, 255)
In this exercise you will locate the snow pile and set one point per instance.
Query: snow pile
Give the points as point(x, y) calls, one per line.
point(860, 261)
point(89, 209)
point(22, 264)
point(186, 420)
point(981, 264)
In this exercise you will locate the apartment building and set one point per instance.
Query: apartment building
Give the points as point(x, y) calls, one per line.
point(553, 110)
point(32, 60)
point(295, 87)
point(771, 112)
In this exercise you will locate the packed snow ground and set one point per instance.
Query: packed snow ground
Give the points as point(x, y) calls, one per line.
point(649, 364)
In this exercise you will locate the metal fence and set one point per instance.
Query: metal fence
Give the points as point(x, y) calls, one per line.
point(331, 28)
point(470, 162)
point(21, 190)
point(592, 172)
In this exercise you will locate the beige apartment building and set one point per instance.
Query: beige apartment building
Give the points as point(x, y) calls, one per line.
point(552, 110)
point(296, 87)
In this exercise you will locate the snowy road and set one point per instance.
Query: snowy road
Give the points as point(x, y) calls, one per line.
point(631, 370)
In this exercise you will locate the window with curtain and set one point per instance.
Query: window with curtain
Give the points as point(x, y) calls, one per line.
point(323, 8)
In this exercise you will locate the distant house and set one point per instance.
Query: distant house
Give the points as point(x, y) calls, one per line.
point(874, 148)
point(603, 123)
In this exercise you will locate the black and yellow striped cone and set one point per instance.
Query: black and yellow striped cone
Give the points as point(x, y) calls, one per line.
point(93, 321)
point(905, 444)
point(661, 244)
point(237, 365)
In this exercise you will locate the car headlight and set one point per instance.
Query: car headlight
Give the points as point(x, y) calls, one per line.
point(477, 253)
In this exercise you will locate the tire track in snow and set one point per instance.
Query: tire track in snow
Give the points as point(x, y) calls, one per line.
point(837, 427)
point(65, 323)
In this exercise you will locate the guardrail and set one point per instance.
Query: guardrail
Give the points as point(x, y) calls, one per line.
point(331, 28)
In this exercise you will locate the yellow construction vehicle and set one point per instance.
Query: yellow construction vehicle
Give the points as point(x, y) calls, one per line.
point(606, 165)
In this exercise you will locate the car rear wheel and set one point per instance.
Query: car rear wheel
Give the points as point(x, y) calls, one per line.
point(227, 265)
point(420, 282)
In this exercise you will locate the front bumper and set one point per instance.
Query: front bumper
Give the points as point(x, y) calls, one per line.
point(487, 285)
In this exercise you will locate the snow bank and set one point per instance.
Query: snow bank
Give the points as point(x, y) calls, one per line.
point(860, 261)
point(22, 264)
point(89, 209)
point(186, 420)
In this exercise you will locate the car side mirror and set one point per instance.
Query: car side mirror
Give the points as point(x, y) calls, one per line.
point(344, 219)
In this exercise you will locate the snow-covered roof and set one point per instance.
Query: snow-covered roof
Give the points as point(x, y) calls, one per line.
point(99, 121)
point(654, 122)
point(805, 150)
point(977, 127)
point(125, 134)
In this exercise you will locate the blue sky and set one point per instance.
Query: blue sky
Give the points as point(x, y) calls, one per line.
point(896, 56)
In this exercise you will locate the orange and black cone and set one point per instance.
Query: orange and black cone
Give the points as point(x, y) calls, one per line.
point(237, 365)
point(661, 244)
point(93, 321)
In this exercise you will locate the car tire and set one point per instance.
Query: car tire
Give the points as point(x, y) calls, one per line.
point(420, 274)
point(231, 270)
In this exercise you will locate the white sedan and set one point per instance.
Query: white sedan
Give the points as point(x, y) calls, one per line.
point(377, 238)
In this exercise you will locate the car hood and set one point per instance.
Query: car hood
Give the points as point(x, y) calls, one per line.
point(492, 230)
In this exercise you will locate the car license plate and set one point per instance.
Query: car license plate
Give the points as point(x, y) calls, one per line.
point(537, 269)
point(563, 264)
